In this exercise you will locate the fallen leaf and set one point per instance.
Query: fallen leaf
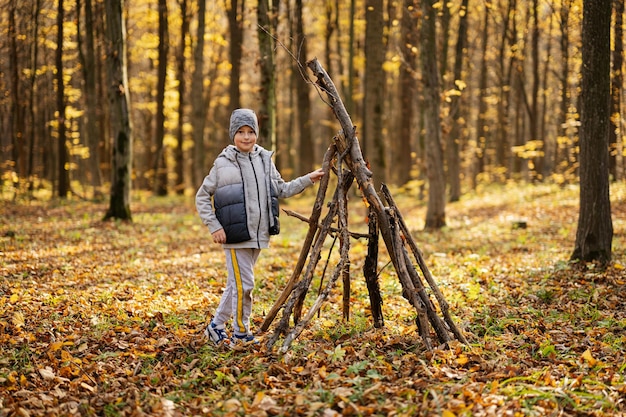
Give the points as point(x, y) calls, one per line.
point(47, 373)
point(588, 358)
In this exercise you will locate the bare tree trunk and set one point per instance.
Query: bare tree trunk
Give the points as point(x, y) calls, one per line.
point(533, 106)
point(545, 165)
point(373, 102)
point(160, 165)
point(507, 39)
point(88, 60)
point(199, 110)
point(63, 187)
point(482, 131)
point(444, 15)
point(351, 42)
point(17, 113)
point(615, 131)
point(455, 135)
point(561, 154)
point(595, 228)
point(436, 211)
point(306, 150)
point(121, 128)
point(267, 16)
point(407, 84)
point(235, 19)
point(179, 154)
point(31, 100)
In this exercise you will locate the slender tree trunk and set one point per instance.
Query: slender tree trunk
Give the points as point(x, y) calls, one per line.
point(561, 155)
point(545, 166)
point(455, 136)
point(533, 106)
point(267, 20)
point(160, 165)
point(331, 28)
point(32, 92)
point(88, 59)
point(179, 153)
point(407, 84)
point(373, 102)
point(595, 228)
point(504, 86)
point(235, 25)
point(121, 128)
point(435, 214)
point(339, 45)
point(482, 130)
point(615, 131)
point(444, 41)
point(351, 41)
point(63, 174)
point(306, 149)
point(17, 113)
point(199, 110)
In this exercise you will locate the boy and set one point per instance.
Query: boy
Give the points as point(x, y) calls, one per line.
point(238, 201)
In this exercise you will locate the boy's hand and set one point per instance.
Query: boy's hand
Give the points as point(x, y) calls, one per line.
point(316, 175)
point(219, 236)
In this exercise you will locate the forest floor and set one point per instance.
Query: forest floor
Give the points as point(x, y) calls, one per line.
point(106, 318)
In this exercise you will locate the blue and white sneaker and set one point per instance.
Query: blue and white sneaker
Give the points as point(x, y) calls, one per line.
point(243, 339)
point(218, 336)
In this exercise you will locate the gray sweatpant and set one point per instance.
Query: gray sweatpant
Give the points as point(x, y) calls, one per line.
point(237, 297)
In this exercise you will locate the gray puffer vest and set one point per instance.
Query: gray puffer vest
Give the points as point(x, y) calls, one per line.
point(241, 194)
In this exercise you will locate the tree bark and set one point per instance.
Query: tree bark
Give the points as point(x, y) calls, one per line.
point(267, 19)
point(507, 36)
point(121, 127)
point(88, 60)
point(63, 186)
point(160, 165)
point(306, 151)
point(31, 100)
point(482, 130)
point(402, 158)
point(16, 115)
point(562, 151)
point(453, 158)
point(235, 25)
point(179, 153)
point(435, 214)
point(199, 109)
point(595, 228)
point(373, 102)
point(617, 82)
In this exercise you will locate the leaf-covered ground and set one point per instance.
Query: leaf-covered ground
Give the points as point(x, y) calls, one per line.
point(107, 318)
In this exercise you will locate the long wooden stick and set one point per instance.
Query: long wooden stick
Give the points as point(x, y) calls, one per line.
point(302, 286)
point(342, 268)
point(417, 253)
point(388, 229)
point(308, 240)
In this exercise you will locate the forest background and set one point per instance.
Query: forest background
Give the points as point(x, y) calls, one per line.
point(507, 106)
point(508, 82)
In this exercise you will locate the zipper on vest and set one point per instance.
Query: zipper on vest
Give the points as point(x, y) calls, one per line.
point(258, 199)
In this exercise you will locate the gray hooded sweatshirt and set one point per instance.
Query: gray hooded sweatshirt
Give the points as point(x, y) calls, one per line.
point(254, 175)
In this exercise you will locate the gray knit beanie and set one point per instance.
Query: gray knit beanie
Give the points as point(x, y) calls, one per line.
point(243, 117)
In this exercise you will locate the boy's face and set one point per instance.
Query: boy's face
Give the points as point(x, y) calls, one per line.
point(245, 139)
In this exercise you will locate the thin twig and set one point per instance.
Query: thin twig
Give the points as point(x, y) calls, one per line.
point(354, 235)
point(301, 68)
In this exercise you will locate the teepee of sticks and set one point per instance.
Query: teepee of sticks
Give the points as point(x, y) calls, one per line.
point(344, 157)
